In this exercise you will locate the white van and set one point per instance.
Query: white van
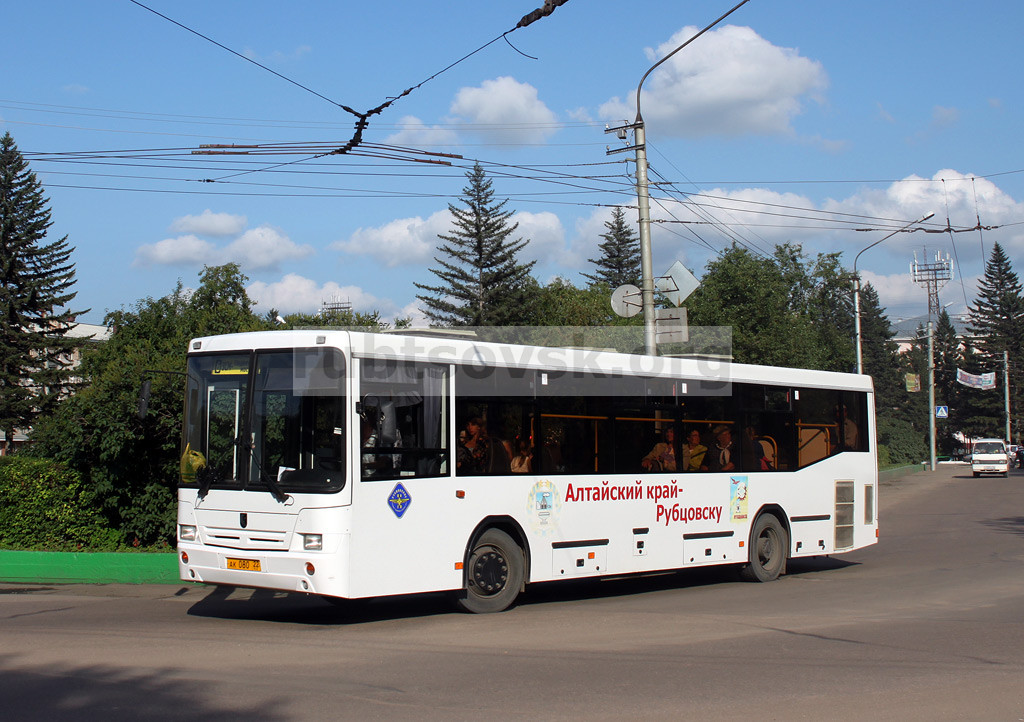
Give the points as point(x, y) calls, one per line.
point(989, 457)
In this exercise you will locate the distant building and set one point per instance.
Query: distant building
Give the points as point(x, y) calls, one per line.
point(906, 329)
point(87, 331)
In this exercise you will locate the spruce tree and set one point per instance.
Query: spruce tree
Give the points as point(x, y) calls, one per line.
point(898, 412)
point(619, 262)
point(880, 353)
point(481, 281)
point(947, 355)
point(996, 323)
point(996, 318)
point(35, 281)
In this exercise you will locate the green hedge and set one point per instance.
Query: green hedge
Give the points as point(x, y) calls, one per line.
point(44, 505)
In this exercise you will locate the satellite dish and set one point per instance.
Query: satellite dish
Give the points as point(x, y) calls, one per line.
point(626, 301)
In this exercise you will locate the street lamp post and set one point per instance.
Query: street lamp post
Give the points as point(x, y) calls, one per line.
point(643, 200)
point(856, 287)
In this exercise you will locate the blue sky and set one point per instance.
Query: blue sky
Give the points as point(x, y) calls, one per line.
point(795, 120)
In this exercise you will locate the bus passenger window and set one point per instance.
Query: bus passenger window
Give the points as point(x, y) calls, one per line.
point(403, 409)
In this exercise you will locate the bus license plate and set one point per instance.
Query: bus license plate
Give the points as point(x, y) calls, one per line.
point(245, 565)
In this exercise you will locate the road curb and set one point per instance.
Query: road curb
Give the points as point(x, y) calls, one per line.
point(89, 567)
point(899, 471)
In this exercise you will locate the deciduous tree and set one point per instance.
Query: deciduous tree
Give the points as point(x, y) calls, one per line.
point(131, 463)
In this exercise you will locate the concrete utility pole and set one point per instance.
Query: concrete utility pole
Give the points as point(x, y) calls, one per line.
point(933, 276)
point(931, 392)
point(1006, 392)
point(643, 196)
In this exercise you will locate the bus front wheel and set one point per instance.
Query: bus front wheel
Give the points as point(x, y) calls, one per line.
point(494, 573)
point(769, 546)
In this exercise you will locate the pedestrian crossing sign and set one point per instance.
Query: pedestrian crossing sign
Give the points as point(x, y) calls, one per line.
point(941, 412)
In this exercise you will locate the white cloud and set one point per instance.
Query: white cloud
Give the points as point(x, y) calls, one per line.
point(414, 133)
point(76, 89)
point(181, 251)
point(209, 223)
point(943, 117)
point(297, 294)
point(260, 248)
point(897, 293)
point(403, 241)
point(731, 82)
point(415, 314)
point(264, 248)
point(580, 115)
point(512, 110)
point(546, 235)
point(947, 190)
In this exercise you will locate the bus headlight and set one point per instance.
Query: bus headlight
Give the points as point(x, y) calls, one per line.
point(313, 542)
point(186, 532)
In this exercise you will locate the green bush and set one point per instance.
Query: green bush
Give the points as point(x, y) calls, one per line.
point(903, 443)
point(44, 505)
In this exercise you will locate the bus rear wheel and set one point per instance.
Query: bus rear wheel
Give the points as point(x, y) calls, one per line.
point(769, 545)
point(494, 573)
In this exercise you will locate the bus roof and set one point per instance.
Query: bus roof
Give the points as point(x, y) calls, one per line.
point(443, 349)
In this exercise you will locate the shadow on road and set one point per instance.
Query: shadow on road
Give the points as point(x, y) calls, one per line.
point(224, 602)
point(99, 692)
point(1009, 524)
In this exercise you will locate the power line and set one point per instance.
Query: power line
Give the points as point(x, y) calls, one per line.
point(363, 118)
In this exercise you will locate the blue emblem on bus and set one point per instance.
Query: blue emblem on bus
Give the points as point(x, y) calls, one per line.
point(399, 500)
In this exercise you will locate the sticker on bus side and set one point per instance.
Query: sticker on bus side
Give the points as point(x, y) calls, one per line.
point(399, 500)
point(542, 507)
point(737, 499)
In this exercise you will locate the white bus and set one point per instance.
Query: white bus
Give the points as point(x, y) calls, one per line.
point(353, 465)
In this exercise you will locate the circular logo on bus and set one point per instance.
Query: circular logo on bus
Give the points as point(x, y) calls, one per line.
point(543, 507)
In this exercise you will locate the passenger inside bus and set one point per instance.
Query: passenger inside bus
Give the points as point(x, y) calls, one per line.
point(663, 456)
point(693, 452)
point(721, 456)
point(522, 462)
point(478, 453)
point(754, 458)
point(851, 433)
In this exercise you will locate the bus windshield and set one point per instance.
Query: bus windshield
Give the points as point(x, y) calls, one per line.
point(265, 420)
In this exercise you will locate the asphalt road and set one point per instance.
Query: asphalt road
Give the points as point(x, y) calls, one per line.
point(928, 624)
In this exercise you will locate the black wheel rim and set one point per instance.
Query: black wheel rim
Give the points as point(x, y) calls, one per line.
point(767, 548)
point(490, 572)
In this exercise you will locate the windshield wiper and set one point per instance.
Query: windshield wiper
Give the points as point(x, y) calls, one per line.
point(206, 476)
point(272, 485)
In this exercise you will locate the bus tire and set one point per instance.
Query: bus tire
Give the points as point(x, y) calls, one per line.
point(768, 549)
point(495, 570)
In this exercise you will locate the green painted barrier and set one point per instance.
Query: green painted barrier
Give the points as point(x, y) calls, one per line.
point(88, 568)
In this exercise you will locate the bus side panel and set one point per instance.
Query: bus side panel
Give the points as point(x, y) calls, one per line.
point(578, 526)
point(403, 547)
